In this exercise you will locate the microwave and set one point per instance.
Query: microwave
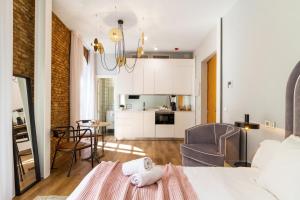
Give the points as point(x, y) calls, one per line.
point(164, 117)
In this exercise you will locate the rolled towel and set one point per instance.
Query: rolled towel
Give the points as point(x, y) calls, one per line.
point(137, 166)
point(147, 177)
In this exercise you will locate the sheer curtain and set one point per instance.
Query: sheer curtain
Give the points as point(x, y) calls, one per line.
point(76, 68)
point(82, 83)
point(88, 88)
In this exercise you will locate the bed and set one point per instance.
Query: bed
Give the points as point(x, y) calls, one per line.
point(212, 183)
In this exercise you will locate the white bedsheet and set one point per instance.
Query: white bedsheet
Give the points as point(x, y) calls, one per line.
point(214, 183)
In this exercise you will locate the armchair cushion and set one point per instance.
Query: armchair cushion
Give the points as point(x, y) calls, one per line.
point(194, 136)
point(205, 154)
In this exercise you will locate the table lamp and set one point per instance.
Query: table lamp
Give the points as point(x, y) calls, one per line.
point(246, 125)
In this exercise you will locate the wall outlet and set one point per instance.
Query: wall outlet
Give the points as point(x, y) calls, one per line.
point(267, 124)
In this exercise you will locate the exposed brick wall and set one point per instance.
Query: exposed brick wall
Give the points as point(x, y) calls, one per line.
point(23, 38)
point(60, 86)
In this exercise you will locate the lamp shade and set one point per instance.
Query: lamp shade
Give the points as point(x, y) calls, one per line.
point(247, 125)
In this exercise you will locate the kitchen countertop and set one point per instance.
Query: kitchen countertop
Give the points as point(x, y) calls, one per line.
point(152, 110)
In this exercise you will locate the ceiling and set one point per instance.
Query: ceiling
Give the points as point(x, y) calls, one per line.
point(166, 23)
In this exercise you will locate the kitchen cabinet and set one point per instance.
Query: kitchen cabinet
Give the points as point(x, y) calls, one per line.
point(124, 82)
point(129, 124)
point(138, 75)
point(164, 131)
point(163, 83)
point(183, 121)
point(149, 124)
point(157, 76)
point(183, 80)
point(149, 75)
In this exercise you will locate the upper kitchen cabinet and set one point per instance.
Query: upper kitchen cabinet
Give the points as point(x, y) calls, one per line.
point(131, 82)
point(163, 83)
point(183, 76)
point(137, 75)
point(157, 76)
point(149, 75)
point(124, 82)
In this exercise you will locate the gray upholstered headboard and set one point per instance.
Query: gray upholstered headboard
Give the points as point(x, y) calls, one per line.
point(292, 110)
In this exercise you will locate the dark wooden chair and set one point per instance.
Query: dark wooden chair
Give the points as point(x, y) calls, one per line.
point(17, 139)
point(69, 140)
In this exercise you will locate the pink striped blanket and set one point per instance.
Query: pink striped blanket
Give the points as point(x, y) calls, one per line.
point(108, 183)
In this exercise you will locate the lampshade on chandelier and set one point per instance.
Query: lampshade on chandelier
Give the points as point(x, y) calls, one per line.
point(116, 35)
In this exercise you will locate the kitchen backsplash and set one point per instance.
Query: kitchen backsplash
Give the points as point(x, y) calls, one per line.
point(154, 101)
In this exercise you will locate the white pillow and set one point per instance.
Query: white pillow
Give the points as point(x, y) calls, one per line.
point(282, 175)
point(265, 153)
point(292, 141)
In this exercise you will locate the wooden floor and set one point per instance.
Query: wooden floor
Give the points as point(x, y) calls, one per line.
point(161, 152)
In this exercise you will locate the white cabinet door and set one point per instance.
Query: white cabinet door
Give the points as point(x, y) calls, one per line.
point(183, 76)
point(122, 125)
point(149, 124)
point(149, 75)
point(164, 131)
point(128, 124)
point(183, 121)
point(124, 82)
point(138, 75)
point(183, 80)
point(137, 125)
point(163, 77)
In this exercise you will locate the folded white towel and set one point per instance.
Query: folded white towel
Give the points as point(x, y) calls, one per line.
point(137, 166)
point(148, 177)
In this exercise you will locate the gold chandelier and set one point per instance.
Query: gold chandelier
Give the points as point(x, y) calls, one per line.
point(116, 35)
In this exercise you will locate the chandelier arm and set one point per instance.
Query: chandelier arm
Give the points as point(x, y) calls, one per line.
point(135, 60)
point(104, 64)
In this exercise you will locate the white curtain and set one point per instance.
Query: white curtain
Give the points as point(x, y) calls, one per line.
point(88, 88)
point(76, 68)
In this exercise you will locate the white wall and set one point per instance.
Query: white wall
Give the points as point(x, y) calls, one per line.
point(209, 47)
point(6, 68)
point(42, 81)
point(261, 47)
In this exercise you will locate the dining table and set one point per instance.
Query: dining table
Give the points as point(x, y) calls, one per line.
point(100, 129)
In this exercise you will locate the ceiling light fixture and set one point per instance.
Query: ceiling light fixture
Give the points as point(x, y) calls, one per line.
point(116, 35)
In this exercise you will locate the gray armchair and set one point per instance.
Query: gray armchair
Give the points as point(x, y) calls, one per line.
point(211, 145)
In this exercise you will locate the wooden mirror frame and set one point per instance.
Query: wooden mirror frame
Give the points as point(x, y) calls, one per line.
point(34, 142)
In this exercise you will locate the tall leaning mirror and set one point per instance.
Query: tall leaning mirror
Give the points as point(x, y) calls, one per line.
point(26, 160)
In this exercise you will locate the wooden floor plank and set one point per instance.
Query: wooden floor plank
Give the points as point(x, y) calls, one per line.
point(161, 152)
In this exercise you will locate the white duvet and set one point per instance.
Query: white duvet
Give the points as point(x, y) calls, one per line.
point(214, 183)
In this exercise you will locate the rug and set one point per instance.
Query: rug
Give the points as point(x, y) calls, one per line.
point(50, 197)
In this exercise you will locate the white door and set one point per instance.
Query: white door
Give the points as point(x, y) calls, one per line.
point(163, 77)
point(149, 124)
point(183, 121)
point(149, 75)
